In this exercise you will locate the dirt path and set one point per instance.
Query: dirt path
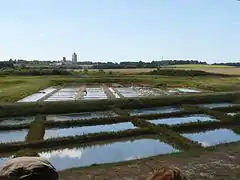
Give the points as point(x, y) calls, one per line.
point(81, 92)
point(108, 92)
point(220, 164)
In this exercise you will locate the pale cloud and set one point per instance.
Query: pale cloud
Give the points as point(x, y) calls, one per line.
point(64, 153)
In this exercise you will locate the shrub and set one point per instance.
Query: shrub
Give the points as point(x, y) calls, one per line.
point(175, 72)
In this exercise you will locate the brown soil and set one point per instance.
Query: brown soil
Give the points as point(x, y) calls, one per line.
point(223, 163)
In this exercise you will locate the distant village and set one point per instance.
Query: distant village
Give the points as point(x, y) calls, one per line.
point(75, 63)
point(64, 63)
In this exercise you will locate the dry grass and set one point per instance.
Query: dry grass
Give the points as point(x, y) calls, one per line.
point(211, 68)
point(208, 68)
point(230, 70)
point(127, 71)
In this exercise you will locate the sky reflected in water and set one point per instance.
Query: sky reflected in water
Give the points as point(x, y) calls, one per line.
point(115, 152)
point(213, 137)
point(181, 120)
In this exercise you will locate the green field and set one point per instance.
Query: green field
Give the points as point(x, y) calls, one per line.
point(201, 66)
point(218, 89)
point(211, 68)
point(13, 88)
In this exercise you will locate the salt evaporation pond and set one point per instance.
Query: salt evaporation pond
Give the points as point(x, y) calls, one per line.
point(127, 92)
point(107, 153)
point(59, 117)
point(37, 96)
point(84, 115)
point(13, 136)
point(188, 90)
point(232, 114)
point(114, 92)
point(216, 105)
point(156, 110)
point(146, 91)
point(213, 137)
point(51, 133)
point(95, 93)
point(181, 120)
point(16, 120)
point(64, 94)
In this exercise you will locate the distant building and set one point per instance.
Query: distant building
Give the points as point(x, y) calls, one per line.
point(74, 58)
point(64, 59)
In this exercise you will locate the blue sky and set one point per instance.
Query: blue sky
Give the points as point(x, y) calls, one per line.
point(115, 30)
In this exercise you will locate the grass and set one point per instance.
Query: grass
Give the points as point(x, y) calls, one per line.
point(192, 162)
point(13, 88)
point(209, 68)
point(78, 139)
point(28, 109)
point(200, 66)
point(230, 70)
point(217, 114)
point(125, 71)
point(193, 127)
point(94, 121)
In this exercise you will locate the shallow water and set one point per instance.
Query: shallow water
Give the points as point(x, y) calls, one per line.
point(127, 92)
point(157, 110)
point(37, 96)
point(232, 114)
point(115, 152)
point(84, 115)
point(181, 120)
point(50, 133)
point(95, 93)
point(216, 105)
point(16, 120)
point(187, 90)
point(213, 137)
point(64, 94)
point(3, 160)
point(13, 136)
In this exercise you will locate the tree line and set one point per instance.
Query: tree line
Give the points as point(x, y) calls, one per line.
point(141, 64)
point(236, 64)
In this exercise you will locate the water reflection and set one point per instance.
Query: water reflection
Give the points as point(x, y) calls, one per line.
point(231, 114)
point(157, 110)
point(49, 133)
point(64, 94)
point(115, 152)
point(127, 92)
point(3, 160)
point(216, 105)
point(213, 137)
point(13, 136)
point(16, 120)
point(188, 90)
point(84, 115)
point(185, 119)
point(95, 93)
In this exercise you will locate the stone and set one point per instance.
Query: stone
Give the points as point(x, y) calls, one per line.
point(28, 168)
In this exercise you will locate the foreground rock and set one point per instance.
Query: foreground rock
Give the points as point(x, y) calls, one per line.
point(28, 168)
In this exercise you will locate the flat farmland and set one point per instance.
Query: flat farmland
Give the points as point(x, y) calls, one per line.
point(210, 68)
point(127, 71)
